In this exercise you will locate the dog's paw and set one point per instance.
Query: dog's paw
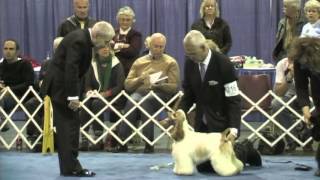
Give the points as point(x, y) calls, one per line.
point(183, 171)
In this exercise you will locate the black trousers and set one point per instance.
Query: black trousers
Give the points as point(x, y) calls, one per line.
point(31, 105)
point(67, 125)
point(318, 155)
point(95, 105)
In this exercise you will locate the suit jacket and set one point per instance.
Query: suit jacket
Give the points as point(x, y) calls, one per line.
point(220, 111)
point(70, 62)
point(128, 55)
point(72, 23)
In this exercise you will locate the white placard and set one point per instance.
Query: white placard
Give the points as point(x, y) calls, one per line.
point(231, 89)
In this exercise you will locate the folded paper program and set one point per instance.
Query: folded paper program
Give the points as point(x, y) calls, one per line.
point(156, 77)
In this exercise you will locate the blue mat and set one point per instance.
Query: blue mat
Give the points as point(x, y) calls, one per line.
point(32, 166)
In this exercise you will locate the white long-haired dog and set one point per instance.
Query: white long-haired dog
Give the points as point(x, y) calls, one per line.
point(191, 148)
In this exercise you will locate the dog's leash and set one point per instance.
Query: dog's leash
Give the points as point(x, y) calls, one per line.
point(161, 166)
point(299, 167)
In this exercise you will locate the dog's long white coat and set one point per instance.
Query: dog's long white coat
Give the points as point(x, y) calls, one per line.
point(196, 148)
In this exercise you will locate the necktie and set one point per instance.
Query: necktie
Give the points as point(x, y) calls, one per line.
point(202, 70)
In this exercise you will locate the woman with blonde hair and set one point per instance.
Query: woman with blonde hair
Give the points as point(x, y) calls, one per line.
point(212, 26)
point(312, 12)
point(289, 27)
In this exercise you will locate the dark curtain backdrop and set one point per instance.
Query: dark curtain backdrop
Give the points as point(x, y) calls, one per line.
point(34, 23)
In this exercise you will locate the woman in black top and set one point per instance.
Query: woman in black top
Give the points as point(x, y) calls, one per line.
point(306, 55)
point(212, 26)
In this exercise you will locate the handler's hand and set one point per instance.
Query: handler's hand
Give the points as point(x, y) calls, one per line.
point(307, 115)
point(231, 137)
point(74, 104)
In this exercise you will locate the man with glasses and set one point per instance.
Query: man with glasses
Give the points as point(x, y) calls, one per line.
point(210, 81)
point(71, 61)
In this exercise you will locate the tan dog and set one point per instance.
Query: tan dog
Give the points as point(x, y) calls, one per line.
point(191, 148)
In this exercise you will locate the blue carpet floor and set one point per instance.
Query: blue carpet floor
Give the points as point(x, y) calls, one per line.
point(31, 166)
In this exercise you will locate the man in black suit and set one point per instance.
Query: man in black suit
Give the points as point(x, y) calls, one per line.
point(210, 81)
point(71, 61)
point(79, 20)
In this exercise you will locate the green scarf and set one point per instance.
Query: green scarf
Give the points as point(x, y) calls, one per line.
point(104, 71)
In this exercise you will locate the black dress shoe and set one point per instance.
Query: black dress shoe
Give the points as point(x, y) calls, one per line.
point(5, 127)
point(122, 148)
point(82, 173)
point(84, 145)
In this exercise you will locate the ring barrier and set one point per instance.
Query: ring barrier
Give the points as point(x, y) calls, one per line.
point(254, 132)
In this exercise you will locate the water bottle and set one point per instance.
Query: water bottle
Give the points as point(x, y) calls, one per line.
point(19, 144)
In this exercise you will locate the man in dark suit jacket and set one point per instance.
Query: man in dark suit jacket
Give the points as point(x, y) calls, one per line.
point(210, 81)
point(80, 19)
point(62, 83)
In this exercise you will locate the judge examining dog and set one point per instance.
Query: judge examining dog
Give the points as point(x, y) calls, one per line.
point(210, 82)
point(70, 62)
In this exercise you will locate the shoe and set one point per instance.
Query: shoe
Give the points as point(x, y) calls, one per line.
point(121, 148)
point(19, 144)
point(96, 147)
point(5, 127)
point(38, 147)
point(308, 148)
point(110, 144)
point(84, 145)
point(291, 147)
point(81, 173)
point(148, 149)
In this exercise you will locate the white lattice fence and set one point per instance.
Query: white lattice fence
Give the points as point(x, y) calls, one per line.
point(7, 118)
point(254, 131)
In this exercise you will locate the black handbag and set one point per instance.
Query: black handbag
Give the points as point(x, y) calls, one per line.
point(265, 149)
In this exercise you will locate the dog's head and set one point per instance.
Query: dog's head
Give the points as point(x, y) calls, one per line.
point(173, 118)
point(178, 118)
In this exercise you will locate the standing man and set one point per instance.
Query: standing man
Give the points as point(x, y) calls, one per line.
point(210, 81)
point(71, 61)
point(80, 19)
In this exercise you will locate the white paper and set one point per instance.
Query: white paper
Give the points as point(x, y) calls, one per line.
point(155, 77)
point(92, 94)
point(161, 79)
